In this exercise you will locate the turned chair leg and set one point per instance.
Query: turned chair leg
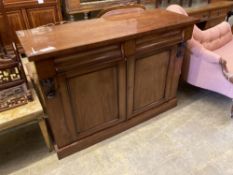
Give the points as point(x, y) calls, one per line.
point(232, 110)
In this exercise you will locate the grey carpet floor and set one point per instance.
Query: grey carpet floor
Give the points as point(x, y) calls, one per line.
point(194, 138)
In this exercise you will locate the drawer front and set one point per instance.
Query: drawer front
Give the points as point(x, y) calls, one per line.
point(100, 55)
point(218, 13)
point(203, 16)
point(157, 41)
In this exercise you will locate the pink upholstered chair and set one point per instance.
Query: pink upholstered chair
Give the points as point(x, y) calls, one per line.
point(209, 60)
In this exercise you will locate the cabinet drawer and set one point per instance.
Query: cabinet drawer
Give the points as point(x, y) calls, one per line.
point(218, 13)
point(203, 16)
point(99, 55)
point(159, 40)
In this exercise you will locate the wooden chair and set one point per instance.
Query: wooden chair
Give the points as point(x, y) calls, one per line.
point(14, 89)
point(121, 10)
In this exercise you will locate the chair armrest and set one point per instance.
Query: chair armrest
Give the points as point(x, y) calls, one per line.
point(202, 53)
point(223, 26)
point(210, 57)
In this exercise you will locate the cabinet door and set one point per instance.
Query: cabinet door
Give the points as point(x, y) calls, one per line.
point(42, 16)
point(152, 76)
point(16, 22)
point(93, 98)
point(90, 92)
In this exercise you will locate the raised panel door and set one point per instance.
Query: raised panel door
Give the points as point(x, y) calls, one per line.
point(151, 80)
point(94, 99)
point(16, 22)
point(42, 16)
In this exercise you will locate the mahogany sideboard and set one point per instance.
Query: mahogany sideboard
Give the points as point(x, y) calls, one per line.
point(211, 14)
point(20, 15)
point(97, 84)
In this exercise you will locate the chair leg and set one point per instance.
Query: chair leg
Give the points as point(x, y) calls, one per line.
point(232, 110)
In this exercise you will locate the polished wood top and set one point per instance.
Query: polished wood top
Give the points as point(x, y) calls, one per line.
point(211, 6)
point(55, 41)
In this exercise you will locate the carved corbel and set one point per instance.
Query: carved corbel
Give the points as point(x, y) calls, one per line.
point(226, 73)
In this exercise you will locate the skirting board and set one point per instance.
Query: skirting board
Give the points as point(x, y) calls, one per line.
point(106, 133)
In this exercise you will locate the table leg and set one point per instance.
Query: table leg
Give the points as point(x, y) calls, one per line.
point(45, 133)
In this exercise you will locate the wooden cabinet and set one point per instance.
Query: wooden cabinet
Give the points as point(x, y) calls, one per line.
point(98, 84)
point(41, 16)
point(25, 15)
point(212, 14)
